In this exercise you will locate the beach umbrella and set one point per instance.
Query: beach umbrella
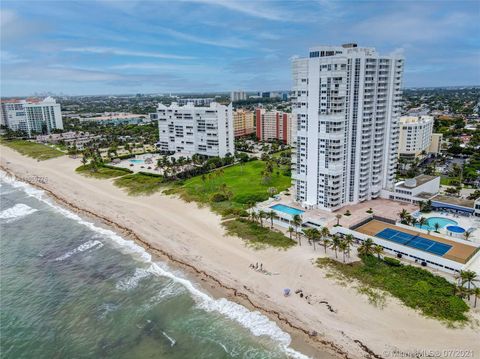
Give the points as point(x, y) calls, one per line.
point(286, 292)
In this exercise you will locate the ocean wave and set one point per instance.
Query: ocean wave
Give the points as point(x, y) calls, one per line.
point(132, 282)
point(18, 211)
point(81, 248)
point(255, 322)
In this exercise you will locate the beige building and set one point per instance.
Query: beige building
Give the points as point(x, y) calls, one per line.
point(436, 143)
point(243, 123)
point(273, 125)
point(416, 137)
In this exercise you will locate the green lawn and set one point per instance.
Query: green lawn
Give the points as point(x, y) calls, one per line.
point(140, 184)
point(102, 172)
point(32, 149)
point(243, 182)
point(415, 287)
point(257, 236)
point(445, 181)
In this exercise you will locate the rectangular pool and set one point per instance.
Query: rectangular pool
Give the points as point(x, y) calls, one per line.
point(286, 209)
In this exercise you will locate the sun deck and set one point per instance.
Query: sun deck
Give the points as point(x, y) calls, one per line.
point(459, 252)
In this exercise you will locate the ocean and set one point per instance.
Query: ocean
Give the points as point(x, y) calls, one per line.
point(73, 289)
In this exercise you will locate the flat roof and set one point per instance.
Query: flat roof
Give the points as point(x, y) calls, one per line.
point(470, 203)
point(422, 179)
point(460, 252)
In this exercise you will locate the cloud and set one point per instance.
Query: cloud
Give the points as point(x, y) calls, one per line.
point(252, 8)
point(227, 42)
point(7, 58)
point(123, 52)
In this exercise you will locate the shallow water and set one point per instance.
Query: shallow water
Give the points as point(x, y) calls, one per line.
point(71, 289)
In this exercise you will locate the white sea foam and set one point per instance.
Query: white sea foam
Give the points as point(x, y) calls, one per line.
point(170, 339)
point(81, 248)
point(257, 323)
point(130, 283)
point(18, 211)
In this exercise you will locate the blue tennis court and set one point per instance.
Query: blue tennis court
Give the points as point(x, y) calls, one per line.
point(414, 241)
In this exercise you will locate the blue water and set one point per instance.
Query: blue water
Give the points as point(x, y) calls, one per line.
point(136, 161)
point(286, 209)
point(72, 289)
point(455, 229)
point(442, 222)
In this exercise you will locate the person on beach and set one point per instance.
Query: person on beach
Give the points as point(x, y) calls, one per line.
point(261, 266)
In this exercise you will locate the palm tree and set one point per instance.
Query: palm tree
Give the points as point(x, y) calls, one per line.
point(297, 221)
point(338, 216)
point(468, 277)
point(413, 221)
point(335, 244)
point(343, 246)
point(349, 239)
point(290, 231)
point(315, 236)
point(422, 221)
point(366, 248)
point(467, 235)
point(403, 215)
point(378, 250)
point(326, 243)
point(261, 215)
point(476, 293)
point(271, 215)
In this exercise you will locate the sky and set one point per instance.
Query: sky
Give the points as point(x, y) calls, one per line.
point(92, 47)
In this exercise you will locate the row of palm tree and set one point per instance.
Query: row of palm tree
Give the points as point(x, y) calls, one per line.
point(261, 215)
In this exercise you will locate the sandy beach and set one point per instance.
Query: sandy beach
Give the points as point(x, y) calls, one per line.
point(347, 325)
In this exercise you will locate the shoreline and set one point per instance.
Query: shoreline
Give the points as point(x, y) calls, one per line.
point(210, 284)
point(190, 237)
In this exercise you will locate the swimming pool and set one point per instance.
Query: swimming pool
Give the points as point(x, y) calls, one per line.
point(442, 222)
point(455, 229)
point(136, 161)
point(286, 209)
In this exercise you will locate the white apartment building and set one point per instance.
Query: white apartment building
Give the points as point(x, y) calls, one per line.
point(32, 116)
point(196, 130)
point(346, 105)
point(415, 136)
point(238, 96)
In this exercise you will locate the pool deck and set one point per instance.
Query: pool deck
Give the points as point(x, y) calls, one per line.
point(459, 252)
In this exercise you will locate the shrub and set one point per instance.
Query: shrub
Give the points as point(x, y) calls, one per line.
point(247, 198)
point(218, 197)
point(150, 174)
point(392, 262)
point(118, 168)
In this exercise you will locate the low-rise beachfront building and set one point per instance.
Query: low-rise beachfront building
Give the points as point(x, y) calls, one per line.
point(243, 123)
point(32, 115)
point(196, 130)
point(273, 125)
point(436, 251)
point(414, 190)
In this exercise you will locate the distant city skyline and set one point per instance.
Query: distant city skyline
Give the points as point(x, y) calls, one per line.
point(127, 47)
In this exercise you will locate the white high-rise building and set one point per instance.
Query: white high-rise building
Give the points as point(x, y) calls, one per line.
point(346, 105)
point(196, 130)
point(238, 96)
point(415, 136)
point(32, 116)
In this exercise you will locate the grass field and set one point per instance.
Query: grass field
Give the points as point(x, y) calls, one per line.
point(32, 149)
point(102, 172)
point(243, 182)
point(446, 181)
point(256, 235)
point(139, 184)
point(415, 287)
